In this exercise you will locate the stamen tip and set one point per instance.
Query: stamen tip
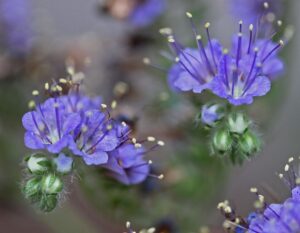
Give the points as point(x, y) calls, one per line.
point(207, 25)
point(189, 15)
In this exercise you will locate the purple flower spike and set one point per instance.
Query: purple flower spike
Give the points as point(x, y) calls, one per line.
point(49, 127)
point(127, 165)
point(96, 136)
point(195, 68)
point(242, 72)
point(146, 12)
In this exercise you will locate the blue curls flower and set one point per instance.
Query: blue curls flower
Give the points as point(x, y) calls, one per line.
point(49, 126)
point(238, 75)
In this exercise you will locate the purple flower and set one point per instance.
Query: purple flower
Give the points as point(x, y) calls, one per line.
point(126, 164)
point(256, 11)
point(211, 113)
point(146, 11)
point(96, 136)
point(15, 15)
point(63, 163)
point(270, 218)
point(246, 71)
point(49, 126)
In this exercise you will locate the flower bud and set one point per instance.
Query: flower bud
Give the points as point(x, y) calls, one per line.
point(249, 143)
point(38, 164)
point(51, 184)
point(48, 202)
point(63, 163)
point(211, 113)
point(32, 187)
point(238, 122)
point(222, 141)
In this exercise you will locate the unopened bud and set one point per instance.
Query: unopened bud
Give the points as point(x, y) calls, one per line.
point(31, 188)
point(48, 202)
point(51, 184)
point(38, 164)
point(249, 143)
point(238, 122)
point(222, 141)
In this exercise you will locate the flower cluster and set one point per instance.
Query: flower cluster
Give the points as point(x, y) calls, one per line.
point(232, 132)
point(269, 218)
point(139, 13)
point(237, 75)
point(71, 125)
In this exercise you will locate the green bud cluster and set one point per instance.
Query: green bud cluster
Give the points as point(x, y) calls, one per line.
point(235, 137)
point(45, 184)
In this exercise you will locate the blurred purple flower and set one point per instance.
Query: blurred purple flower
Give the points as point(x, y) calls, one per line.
point(49, 126)
point(63, 163)
point(256, 11)
point(127, 165)
point(146, 12)
point(15, 15)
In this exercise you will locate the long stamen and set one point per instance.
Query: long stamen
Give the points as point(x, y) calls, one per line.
point(56, 106)
point(239, 52)
point(250, 37)
point(225, 52)
point(207, 25)
point(280, 44)
point(251, 69)
point(202, 49)
point(148, 62)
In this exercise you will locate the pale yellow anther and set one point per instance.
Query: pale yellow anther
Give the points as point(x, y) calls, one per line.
point(220, 205)
point(281, 42)
point(207, 25)
point(151, 139)
point(240, 22)
point(59, 88)
point(124, 124)
point(256, 49)
point(177, 59)
point(70, 70)
point(189, 15)
point(53, 89)
point(199, 37)
point(128, 224)
point(114, 104)
point(137, 145)
point(150, 161)
point(46, 86)
point(280, 175)
point(258, 204)
point(109, 127)
point(171, 40)
point(133, 140)
point(62, 80)
point(291, 159)
point(261, 198)
point(225, 51)
point(146, 61)
point(279, 23)
point(266, 5)
point(253, 190)
point(35, 92)
point(227, 209)
point(226, 224)
point(31, 104)
point(286, 167)
point(161, 176)
point(160, 143)
point(298, 181)
point(84, 128)
point(165, 31)
point(104, 106)
point(251, 27)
